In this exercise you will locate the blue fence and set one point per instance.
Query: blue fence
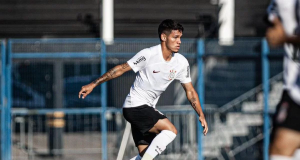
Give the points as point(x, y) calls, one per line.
point(16, 53)
point(5, 116)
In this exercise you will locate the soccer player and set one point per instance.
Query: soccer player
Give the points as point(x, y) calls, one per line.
point(285, 137)
point(156, 68)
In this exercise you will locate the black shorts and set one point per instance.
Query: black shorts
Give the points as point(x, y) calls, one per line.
point(142, 119)
point(287, 114)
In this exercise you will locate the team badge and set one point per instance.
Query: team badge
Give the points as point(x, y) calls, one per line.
point(172, 74)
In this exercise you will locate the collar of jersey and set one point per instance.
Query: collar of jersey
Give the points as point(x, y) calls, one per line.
point(161, 55)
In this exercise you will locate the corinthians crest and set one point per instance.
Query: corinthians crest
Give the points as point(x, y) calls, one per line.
point(172, 74)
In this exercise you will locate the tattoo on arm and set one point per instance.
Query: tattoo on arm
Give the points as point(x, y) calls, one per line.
point(107, 76)
point(193, 103)
point(111, 72)
point(102, 78)
point(125, 65)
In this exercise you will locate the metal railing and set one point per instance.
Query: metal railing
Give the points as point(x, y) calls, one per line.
point(82, 133)
point(59, 66)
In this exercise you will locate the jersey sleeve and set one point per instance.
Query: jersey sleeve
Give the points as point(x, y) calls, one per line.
point(273, 11)
point(185, 74)
point(140, 60)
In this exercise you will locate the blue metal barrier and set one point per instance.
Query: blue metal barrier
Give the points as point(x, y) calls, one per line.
point(104, 54)
point(104, 102)
point(9, 101)
point(3, 100)
point(36, 55)
point(200, 89)
point(265, 80)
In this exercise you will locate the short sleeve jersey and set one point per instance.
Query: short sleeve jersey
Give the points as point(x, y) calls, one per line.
point(288, 11)
point(154, 75)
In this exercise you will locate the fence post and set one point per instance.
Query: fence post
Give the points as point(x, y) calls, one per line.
point(265, 79)
point(7, 107)
point(9, 99)
point(103, 102)
point(3, 99)
point(200, 90)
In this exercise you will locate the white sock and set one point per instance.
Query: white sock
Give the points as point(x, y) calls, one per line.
point(138, 157)
point(159, 144)
point(278, 157)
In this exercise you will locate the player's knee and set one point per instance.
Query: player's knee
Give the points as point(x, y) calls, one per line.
point(175, 131)
point(165, 125)
point(280, 147)
point(172, 129)
point(278, 150)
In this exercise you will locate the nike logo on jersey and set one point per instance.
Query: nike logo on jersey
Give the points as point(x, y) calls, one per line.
point(155, 71)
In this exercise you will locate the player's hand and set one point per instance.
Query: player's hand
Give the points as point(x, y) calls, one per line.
point(204, 124)
point(85, 90)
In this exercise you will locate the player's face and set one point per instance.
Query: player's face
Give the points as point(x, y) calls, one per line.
point(173, 41)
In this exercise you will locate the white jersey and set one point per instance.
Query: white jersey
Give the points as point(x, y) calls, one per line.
point(154, 75)
point(288, 11)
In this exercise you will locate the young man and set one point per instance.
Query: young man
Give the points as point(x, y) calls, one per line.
point(156, 68)
point(285, 137)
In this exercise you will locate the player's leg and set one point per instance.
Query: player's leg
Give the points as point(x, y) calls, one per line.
point(163, 124)
point(285, 143)
point(142, 141)
point(149, 120)
point(285, 138)
point(166, 136)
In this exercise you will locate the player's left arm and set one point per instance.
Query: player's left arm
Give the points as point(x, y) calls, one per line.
point(276, 35)
point(192, 96)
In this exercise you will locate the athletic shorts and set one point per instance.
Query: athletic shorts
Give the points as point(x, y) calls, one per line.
point(142, 119)
point(287, 114)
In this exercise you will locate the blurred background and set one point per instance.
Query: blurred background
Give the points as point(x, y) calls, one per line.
point(49, 49)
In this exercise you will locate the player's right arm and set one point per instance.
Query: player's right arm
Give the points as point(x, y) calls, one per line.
point(111, 74)
point(136, 63)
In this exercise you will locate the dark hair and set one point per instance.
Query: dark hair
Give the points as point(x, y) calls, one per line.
point(167, 26)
